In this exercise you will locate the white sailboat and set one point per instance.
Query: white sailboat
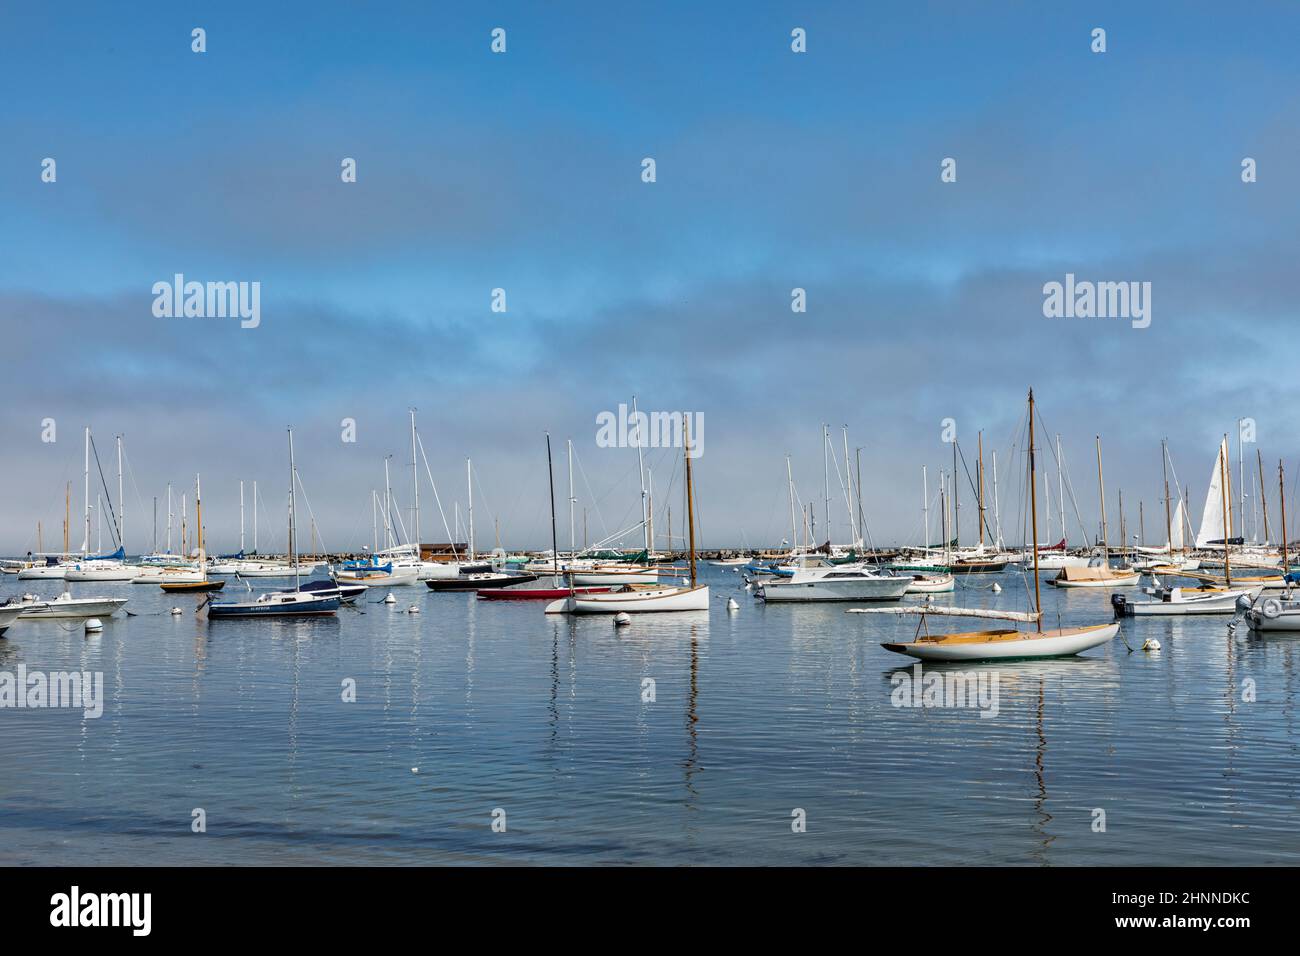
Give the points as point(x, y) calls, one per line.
point(645, 598)
point(1005, 643)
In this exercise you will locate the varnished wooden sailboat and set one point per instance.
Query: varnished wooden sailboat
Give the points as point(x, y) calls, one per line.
point(203, 584)
point(1101, 575)
point(1001, 644)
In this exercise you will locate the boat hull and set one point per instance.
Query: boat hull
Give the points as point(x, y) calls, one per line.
point(276, 606)
point(1189, 602)
point(1007, 644)
point(635, 601)
point(76, 608)
point(535, 594)
point(475, 582)
point(7, 617)
point(829, 589)
point(932, 584)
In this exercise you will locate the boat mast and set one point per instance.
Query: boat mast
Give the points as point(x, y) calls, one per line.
point(1101, 487)
point(640, 461)
point(573, 530)
point(121, 501)
point(241, 517)
point(1047, 497)
point(469, 480)
point(956, 506)
point(415, 492)
point(67, 515)
point(979, 478)
point(1223, 493)
point(1262, 497)
point(925, 506)
point(1241, 477)
point(555, 545)
point(85, 543)
point(862, 524)
point(198, 517)
point(1164, 467)
point(153, 545)
point(848, 498)
point(374, 521)
point(388, 506)
point(1033, 512)
point(1281, 491)
point(293, 511)
point(170, 515)
point(690, 499)
point(650, 508)
point(826, 481)
point(794, 526)
point(1060, 486)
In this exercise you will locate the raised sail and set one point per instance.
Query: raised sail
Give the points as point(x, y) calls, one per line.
point(1211, 529)
point(1176, 528)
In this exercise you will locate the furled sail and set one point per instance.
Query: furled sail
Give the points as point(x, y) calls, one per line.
point(937, 611)
point(1212, 517)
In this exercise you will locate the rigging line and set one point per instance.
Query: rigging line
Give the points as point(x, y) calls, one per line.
point(433, 484)
point(595, 501)
point(103, 481)
point(310, 513)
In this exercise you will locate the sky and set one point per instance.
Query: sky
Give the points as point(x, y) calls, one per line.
point(522, 171)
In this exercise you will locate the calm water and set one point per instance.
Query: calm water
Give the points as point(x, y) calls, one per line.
point(756, 712)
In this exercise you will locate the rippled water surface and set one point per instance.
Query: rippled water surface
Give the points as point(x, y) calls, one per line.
point(471, 706)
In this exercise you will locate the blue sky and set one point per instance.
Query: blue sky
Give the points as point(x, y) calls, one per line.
point(522, 171)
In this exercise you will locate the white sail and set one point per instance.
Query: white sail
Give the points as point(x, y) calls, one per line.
point(1176, 528)
point(1212, 517)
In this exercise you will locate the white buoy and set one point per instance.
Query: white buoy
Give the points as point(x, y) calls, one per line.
point(415, 770)
point(622, 619)
point(176, 611)
point(390, 599)
point(94, 624)
point(413, 609)
point(732, 605)
point(997, 588)
point(1150, 644)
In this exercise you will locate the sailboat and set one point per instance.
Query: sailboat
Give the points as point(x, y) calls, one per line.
point(1009, 642)
point(644, 598)
point(1216, 529)
point(1099, 574)
point(103, 567)
point(201, 583)
point(556, 590)
point(295, 603)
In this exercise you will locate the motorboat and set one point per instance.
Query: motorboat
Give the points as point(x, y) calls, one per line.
point(834, 583)
point(65, 606)
point(1169, 601)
